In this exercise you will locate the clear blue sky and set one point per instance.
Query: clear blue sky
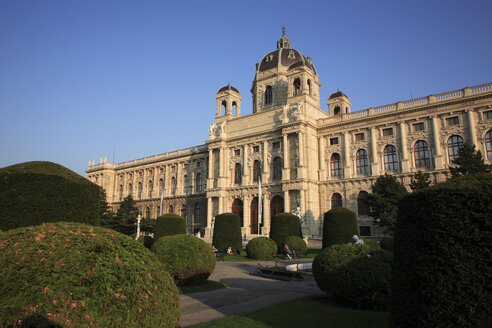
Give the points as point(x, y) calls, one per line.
point(81, 80)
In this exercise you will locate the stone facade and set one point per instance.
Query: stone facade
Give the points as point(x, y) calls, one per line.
point(307, 160)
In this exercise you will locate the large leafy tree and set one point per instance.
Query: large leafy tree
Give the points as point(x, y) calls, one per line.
point(386, 193)
point(127, 216)
point(420, 181)
point(469, 162)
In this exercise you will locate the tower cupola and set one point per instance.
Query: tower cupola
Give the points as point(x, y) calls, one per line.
point(283, 42)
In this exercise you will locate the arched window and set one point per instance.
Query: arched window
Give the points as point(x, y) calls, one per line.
point(421, 154)
point(197, 217)
point(336, 111)
point(198, 182)
point(309, 87)
point(161, 186)
point(268, 95)
point(130, 189)
point(362, 206)
point(140, 190)
point(336, 165)
point(121, 192)
point(234, 108)
point(183, 211)
point(390, 158)
point(237, 208)
point(277, 205)
point(173, 185)
point(223, 107)
point(147, 213)
point(171, 209)
point(336, 200)
point(237, 174)
point(186, 183)
point(454, 144)
point(256, 171)
point(297, 87)
point(151, 188)
point(277, 168)
point(488, 144)
point(362, 162)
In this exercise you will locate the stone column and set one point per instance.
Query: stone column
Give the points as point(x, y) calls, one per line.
point(246, 215)
point(245, 165)
point(321, 147)
point(210, 180)
point(266, 165)
point(374, 152)
point(286, 170)
point(471, 128)
point(221, 167)
point(265, 230)
point(303, 202)
point(300, 166)
point(438, 158)
point(405, 163)
point(286, 201)
point(347, 170)
point(208, 229)
point(221, 205)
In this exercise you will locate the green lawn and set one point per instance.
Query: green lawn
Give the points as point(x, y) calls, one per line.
point(314, 311)
point(205, 287)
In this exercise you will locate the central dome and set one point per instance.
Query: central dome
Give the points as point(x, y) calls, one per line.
point(284, 56)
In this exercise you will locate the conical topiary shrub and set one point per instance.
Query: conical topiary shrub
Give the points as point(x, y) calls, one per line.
point(227, 232)
point(339, 225)
point(283, 226)
point(169, 225)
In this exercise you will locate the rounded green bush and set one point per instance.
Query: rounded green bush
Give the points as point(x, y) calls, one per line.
point(169, 225)
point(188, 259)
point(35, 192)
point(227, 232)
point(147, 241)
point(75, 275)
point(355, 274)
point(373, 246)
point(388, 243)
point(284, 225)
point(339, 225)
point(261, 248)
point(296, 243)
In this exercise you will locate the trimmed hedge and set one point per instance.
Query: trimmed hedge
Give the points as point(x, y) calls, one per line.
point(355, 274)
point(261, 248)
point(76, 275)
point(35, 192)
point(147, 241)
point(284, 225)
point(227, 232)
point(169, 225)
point(339, 225)
point(188, 259)
point(297, 243)
point(443, 250)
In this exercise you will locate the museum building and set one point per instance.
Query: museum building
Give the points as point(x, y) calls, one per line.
point(304, 159)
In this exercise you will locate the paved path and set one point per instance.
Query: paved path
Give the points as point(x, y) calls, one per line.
point(246, 293)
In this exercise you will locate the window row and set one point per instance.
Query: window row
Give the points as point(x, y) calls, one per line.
point(362, 206)
point(276, 170)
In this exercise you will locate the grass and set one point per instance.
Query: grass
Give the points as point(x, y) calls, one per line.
point(310, 254)
point(205, 287)
point(314, 311)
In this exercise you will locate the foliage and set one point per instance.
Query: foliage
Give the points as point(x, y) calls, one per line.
point(420, 181)
point(312, 311)
point(227, 232)
point(147, 241)
point(127, 216)
point(35, 192)
point(388, 243)
point(386, 193)
point(108, 217)
point(261, 248)
point(168, 225)
point(355, 274)
point(443, 247)
point(284, 225)
point(296, 243)
point(339, 225)
point(468, 162)
point(373, 246)
point(147, 225)
point(77, 275)
point(188, 259)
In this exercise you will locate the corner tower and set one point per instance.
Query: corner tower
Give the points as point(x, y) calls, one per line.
point(284, 76)
point(228, 102)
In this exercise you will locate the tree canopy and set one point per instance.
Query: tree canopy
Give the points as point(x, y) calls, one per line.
point(468, 162)
point(420, 181)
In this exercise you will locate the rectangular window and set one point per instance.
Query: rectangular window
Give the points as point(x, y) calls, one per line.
point(359, 136)
point(276, 145)
point(256, 149)
point(452, 120)
point(333, 141)
point(387, 132)
point(487, 115)
point(198, 164)
point(237, 152)
point(365, 230)
point(418, 126)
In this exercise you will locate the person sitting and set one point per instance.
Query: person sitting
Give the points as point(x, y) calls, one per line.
point(229, 251)
point(215, 250)
point(288, 252)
